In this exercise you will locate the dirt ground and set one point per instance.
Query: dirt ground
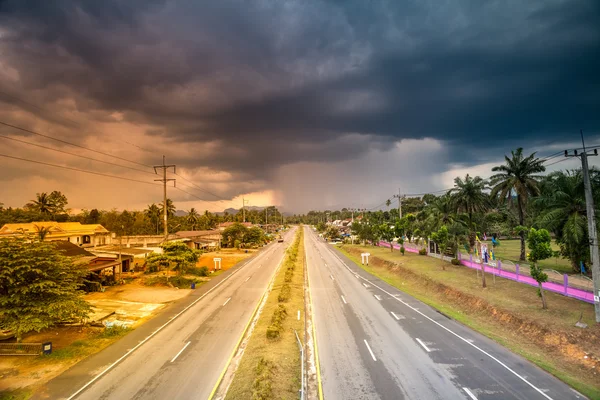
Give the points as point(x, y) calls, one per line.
point(229, 257)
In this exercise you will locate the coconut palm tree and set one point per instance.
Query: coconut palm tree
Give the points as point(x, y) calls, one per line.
point(170, 208)
point(153, 214)
point(564, 214)
point(193, 217)
point(42, 232)
point(518, 176)
point(43, 203)
point(468, 196)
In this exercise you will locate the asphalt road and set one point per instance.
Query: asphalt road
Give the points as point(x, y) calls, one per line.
point(185, 358)
point(376, 342)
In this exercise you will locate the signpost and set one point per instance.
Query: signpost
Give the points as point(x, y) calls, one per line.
point(365, 257)
point(217, 262)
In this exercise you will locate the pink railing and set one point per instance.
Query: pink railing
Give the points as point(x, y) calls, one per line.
point(563, 289)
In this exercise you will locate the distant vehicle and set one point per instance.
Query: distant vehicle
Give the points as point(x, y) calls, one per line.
point(279, 239)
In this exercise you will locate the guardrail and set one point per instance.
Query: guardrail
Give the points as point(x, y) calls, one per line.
point(21, 349)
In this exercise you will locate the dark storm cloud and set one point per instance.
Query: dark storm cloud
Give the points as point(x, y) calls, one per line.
point(270, 79)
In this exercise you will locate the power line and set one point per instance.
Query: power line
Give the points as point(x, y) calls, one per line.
point(201, 189)
point(43, 109)
point(72, 144)
point(74, 154)
point(79, 170)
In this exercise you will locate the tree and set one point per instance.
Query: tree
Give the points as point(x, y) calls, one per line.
point(59, 202)
point(321, 227)
point(538, 242)
point(176, 255)
point(254, 236)
point(93, 217)
point(233, 233)
point(442, 239)
point(193, 217)
point(42, 204)
point(563, 212)
point(518, 176)
point(332, 232)
point(42, 232)
point(170, 208)
point(153, 214)
point(468, 196)
point(39, 286)
point(387, 234)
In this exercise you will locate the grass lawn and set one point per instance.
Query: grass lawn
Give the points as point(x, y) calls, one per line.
point(506, 311)
point(511, 250)
point(270, 367)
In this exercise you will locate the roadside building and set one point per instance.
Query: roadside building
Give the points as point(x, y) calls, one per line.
point(83, 235)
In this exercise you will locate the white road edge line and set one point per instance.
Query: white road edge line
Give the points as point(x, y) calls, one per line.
point(226, 301)
point(423, 344)
point(395, 316)
point(378, 297)
point(452, 332)
point(344, 300)
point(471, 395)
point(160, 328)
point(370, 351)
point(180, 351)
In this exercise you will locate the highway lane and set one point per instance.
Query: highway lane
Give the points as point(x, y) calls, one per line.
point(376, 342)
point(186, 357)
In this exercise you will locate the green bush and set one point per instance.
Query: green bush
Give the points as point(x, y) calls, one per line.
point(273, 331)
point(289, 274)
point(284, 294)
point(402, 250)
point(262, 387)
point(199, 271)
point(455, 261)
point(423, 252)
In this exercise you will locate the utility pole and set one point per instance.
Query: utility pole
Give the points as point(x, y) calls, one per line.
point(244, 208)
point(266, 216)
point(120, 258)
point(399, 196)
point(591, 218)
point(164, 180)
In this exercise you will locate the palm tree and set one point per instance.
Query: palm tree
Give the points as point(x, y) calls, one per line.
point(153, 214)
point(42, 204)
point(518, 176)
point(170, 208)
point(468, 196)
point(564, 214)
point(193, 217)
point(42, 232)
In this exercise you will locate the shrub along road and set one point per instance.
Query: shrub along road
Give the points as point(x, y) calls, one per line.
point(376, 342)
point(183, 351)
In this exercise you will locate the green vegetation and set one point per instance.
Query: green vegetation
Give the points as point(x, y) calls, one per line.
point(237, 235)
point(270, 366)
point(179, 281)
point(18, 394)
point(176, 256)
point(39, 286)
point(506, 311)
point(539, 249)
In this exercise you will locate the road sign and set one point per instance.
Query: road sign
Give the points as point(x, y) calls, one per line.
point(364, 257)
point(217, 260)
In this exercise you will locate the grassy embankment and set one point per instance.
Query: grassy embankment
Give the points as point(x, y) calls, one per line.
point(270, 366)
point(508, 312)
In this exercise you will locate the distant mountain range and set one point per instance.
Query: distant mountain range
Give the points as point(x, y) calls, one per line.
point(230, 211)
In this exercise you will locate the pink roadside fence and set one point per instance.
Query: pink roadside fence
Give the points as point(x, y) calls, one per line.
point(563, 289)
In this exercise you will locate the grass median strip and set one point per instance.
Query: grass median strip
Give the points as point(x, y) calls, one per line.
point(270, 367)
point(508, 312)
